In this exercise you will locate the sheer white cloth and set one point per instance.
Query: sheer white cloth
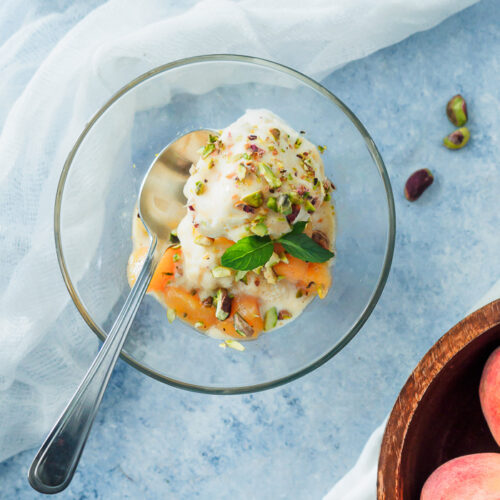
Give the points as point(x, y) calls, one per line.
point(76, 56)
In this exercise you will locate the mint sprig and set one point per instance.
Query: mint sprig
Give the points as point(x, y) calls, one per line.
point(254, 251)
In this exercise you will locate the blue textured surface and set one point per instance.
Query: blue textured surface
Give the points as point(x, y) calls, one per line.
point(152, 441)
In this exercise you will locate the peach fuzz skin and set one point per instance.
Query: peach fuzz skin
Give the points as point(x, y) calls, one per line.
point(489, 393)
point(471, 477)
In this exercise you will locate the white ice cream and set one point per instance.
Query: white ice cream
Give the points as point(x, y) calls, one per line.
point(257, 155)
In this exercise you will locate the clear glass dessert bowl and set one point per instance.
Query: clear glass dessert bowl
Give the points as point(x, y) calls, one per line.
point(98, 190)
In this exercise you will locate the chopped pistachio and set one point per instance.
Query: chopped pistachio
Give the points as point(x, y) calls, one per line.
point(283, 257)
point(274, 259)
point(299, 293)
point(284, 314)
point(199, 187)
point(234, 344)
point(254, 199)
point(322, 149)
point(241, 171)
point(241, 276)
point(221, 272)
point(270, 319)
point(170, 314)
point(284, 204)
point(203, 240)
point(275, 132)
point(260, 229)
point(207, 150)
point(176, 257)
point(199, 324)
point(298, 143)
point(241, 326)
point(327, 197)
point(224, 302)
point(266, 171)
point(272, 204)
point(309, 207)
point(269, 275)
point(211, 163)
point(322, 291)
point(295, 198)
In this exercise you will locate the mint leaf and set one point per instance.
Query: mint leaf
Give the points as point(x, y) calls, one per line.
point(298, 228)
point(248, 253)
point(302, 247)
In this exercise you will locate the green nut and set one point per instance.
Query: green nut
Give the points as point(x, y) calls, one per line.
point(270, 319)
point(456, 110)
point(259, 228)
point(224, 302)
point(241, 326)
point(275, 132)
point(266, 172)
point(272, 204)
point(254, 199)
point(284, 204)
point(457, 139)
point(309, 207)
point(199, 187)
point(295, 198)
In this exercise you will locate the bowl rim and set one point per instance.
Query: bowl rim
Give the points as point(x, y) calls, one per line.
point(370, 144)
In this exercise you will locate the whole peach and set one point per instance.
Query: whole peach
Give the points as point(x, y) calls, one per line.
point(489, 393)
point(471, 477)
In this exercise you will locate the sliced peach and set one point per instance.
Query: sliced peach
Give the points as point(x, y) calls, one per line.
point(319, 273)
point(295, 271)
point(248, 308)
point(474, 476)
point(164, 274)
point(188, 307)
point(314, 276)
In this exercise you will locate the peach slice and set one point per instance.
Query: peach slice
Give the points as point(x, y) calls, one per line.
point(489, 393)
point(248, 308)
point(165, 272)
point(469, 477)
point(303, 274)
point(188, 307)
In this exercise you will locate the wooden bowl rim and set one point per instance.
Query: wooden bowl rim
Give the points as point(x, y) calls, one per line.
point(400, 419)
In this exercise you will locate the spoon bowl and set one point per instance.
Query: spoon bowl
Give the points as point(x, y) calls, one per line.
point(161, 201)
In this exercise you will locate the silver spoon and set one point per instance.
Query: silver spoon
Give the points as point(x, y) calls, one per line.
point(159, 199)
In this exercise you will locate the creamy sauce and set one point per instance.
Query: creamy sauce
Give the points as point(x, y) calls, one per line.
point(217, 191)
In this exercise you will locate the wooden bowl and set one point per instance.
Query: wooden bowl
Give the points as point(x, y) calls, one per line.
point(437, 415)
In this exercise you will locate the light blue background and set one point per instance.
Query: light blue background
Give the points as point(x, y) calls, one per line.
point(152, 441)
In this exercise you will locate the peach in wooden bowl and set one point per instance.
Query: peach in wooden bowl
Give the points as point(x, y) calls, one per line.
point(438, 417)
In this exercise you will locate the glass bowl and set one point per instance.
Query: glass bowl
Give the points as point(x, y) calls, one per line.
point(100, 183)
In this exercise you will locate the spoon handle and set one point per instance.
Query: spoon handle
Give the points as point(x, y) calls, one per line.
point(55, 463)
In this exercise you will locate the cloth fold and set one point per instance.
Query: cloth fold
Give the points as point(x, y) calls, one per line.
point(58, 67)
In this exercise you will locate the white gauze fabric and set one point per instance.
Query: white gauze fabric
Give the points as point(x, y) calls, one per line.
point(77, 57)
